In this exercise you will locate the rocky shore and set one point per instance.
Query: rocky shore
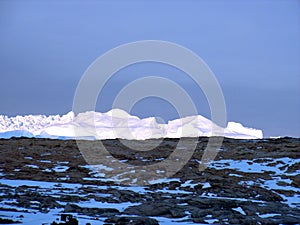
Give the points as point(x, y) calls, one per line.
point(249, 182)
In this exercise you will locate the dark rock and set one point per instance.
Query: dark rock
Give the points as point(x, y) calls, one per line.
point(288, 220)
point(167, 209)
point(177, 213)
point(127, 196)
point(67, 219)
point(296, 181)
point(131, 221)
point(91, 211)
point(8, 221)
point(72, 208)
point(149, 209)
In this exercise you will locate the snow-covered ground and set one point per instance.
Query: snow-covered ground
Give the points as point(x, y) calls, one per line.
point(277, 168)
point(117, 124)
point(29, 216)
point(250, 180)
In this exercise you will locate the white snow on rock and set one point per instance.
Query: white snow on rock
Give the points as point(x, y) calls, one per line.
point(116, 123)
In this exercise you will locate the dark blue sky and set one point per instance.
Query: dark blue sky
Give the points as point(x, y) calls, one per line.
point(252, 47)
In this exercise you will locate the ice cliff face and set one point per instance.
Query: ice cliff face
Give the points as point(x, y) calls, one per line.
point(115, 124)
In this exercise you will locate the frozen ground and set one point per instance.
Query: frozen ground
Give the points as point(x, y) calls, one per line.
point(249, 182)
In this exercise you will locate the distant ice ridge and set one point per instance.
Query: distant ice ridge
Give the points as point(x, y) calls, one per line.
point(115, 123)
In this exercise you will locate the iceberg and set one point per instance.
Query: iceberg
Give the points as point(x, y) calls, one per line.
point(113, 124)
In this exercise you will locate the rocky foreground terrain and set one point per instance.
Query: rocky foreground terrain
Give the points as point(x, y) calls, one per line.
point(249, 182)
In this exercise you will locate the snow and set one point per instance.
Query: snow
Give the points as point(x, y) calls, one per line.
point(240, 210)
point(32, 166)
point(255, 167)
point(189, 183)
point(235, 175)
point(164, 180)
point(211, 221)
point(60, 169)
point(206, 185)
point(274, 167)
point(41, 184)
point(268, 215)
point(28, 157)
point(215, 196)
point(95, 204)
point(45, 161)
point(172, 221)
point(115, 123)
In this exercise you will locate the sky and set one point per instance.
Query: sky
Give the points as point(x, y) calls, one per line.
point(253, 48)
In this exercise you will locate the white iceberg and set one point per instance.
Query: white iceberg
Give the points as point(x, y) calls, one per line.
point(115, 123)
